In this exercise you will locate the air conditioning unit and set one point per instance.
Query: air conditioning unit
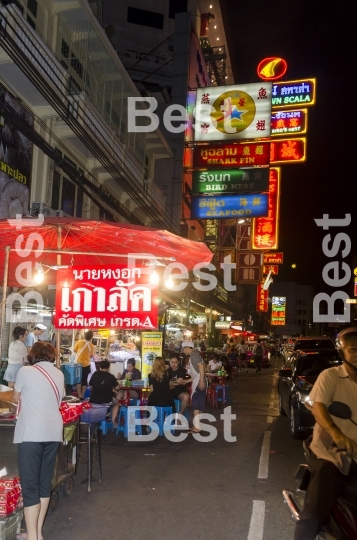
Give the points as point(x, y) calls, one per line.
point(42, 208)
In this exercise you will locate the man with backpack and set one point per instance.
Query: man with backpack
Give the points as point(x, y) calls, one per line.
point(258, 353)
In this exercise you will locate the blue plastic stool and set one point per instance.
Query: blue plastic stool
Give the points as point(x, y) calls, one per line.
point(228, 394)
point(123, 421)
point(162, 414)
point(178, 405)
point(87, 393)
point(219, 393)
point(105, 425)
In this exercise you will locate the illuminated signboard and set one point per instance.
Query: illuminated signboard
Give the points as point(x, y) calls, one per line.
point(231, 181)
point(222, 325)
point(273, 258)
point(278, 310)
point(231, 155)
point(233, 112)
point(293, 93)
point(286, 122)
point(271, 69)
point(288, 150)
point(226, 206)
point(274, 269)
point(265, 229)
point(262, 298)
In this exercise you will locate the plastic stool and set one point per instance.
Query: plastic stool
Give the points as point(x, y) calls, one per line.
point(178, 405)
point(211, 397)
point(123, 421)
point(87, 393)
point(228, 394)
point(162, 414)
point(105, 425)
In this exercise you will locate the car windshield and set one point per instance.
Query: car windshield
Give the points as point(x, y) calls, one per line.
point(312, 366)
point(314, 344)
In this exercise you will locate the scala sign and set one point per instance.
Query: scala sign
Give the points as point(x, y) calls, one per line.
point(293, 93)
point(271, 69)
point(233, 112)
point(288, 150)
point(231, 155)
point(292, 122)
point(227, 206)
point(105, 297)
point(231, 181)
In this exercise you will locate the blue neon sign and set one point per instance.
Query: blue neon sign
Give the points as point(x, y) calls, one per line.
point(229, 206)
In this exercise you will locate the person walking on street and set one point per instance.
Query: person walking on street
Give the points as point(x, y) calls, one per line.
point(258, 353)
point(85, 350)
point(199, 382)
point(17, 355)
point(242, 351)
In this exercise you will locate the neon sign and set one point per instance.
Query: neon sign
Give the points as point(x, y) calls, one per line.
point(228, 206)
point(231, 155)
point(288, 151)
point(278, 310)
point(289, 122)
point(262, 298)
point(231, 181)
point(273, 258)
point(293, 93)
point(271, 69)
point(265, 229)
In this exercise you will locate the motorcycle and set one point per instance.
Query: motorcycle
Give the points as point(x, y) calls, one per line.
point(343, 514)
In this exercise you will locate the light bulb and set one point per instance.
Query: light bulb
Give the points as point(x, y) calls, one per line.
point(169, 283)
point(39, 276)
point(154, 278)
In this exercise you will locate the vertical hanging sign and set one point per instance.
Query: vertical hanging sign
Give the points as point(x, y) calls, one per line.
point(265, 229)
point(262, 298)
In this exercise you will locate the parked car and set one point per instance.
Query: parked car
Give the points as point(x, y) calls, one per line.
point(309, 343)
point(295, 383)
point(250, 359)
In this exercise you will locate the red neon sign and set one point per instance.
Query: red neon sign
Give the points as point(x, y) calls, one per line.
point(262, 298)
point(288, 151)
point(272, 68)
point(231, 155)
point(288, 122)
point(265, 230)
point(273, 258)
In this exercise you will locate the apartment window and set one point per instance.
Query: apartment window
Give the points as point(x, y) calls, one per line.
point(299, 302)
point(31, 22)
point(68, 195)
point(299, 322)
point(56, 186)
point(299, 312)
point(145, 18)
point(76, 64)
point(177, 6)
point(32, 6)
point(304, 311)
point(64, 49)
point(64, 195)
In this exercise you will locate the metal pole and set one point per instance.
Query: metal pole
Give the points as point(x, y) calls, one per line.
point(4, 294)
point(58, 335)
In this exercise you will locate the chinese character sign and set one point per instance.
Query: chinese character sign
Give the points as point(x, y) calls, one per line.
point(288, 150)
point(227, 206)
point(231, 155)
point(262, 298)
point(293, 122)
point(233, 112)
point(278, 310)
point(265, 229)
point(231, 181)
point(106, 297)
point(293, 93)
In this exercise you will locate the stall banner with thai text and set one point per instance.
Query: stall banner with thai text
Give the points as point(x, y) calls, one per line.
point(231, 181)
point(106, 297)
point(289, 122)
point(262, 298)
point(273, 258)
point(151, 347)
point(226, 206)
point(265, 230)
point(293, 93)
point(288, 151)
point(278, 310)
point(233, 112)
point(230, 156)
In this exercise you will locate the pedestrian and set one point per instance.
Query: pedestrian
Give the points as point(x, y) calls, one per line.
point(33, 336)
point(17, 355)
point(258, 353)
point(85, 350)
point(242, 358)
point(39, 389)
point(199, 382)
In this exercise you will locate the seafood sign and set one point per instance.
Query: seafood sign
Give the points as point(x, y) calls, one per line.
point(106, 297)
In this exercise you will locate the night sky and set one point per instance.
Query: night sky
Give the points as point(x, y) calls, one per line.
point(316, 43)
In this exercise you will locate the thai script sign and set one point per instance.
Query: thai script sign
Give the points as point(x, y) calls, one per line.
point(231, 155)
point(293, 93)
point(106, 297)
point(273, 258)
point(231, 181)
point(289, 122)
point(233, 112)
point(265, 229)
point(226, 206)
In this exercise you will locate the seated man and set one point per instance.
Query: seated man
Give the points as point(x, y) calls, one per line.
point(102, 385)
point(215, 364)
point(334, 441)
point(178, 380)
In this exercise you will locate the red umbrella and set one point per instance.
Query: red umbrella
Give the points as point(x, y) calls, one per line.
point(82, 242)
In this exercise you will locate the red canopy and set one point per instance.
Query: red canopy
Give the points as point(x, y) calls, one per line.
point(91, 240)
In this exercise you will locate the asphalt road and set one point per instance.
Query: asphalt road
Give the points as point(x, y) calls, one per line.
point(192, 490)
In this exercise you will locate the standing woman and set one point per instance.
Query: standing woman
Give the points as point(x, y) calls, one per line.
point(17, 355)
point(39, 389)
point(159, 381)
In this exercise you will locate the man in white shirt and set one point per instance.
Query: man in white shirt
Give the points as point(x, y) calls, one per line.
point(33, 336)
point(215, 364)
point(334, 441)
